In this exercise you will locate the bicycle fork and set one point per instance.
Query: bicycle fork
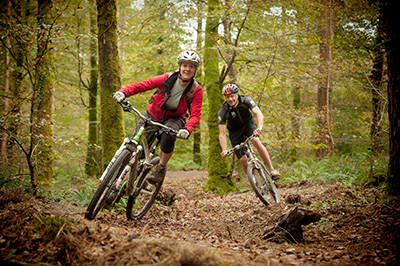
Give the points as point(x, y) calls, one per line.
point(131, 166)
point(117, 153)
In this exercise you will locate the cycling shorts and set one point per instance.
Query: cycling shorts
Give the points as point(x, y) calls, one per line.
point(167, 141)
point(239, 135)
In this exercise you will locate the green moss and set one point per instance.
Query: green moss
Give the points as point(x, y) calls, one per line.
point(221, 184)
point(112, 127)
point(217, 166)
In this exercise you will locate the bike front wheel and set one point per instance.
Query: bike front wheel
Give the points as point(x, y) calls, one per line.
point(262, 183)
point(144, 194)
point(102, 193)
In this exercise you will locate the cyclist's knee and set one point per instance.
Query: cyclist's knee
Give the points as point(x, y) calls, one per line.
point(167, 144)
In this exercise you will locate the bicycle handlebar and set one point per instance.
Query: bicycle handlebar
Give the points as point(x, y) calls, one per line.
point(127, 107)
point(239, 146)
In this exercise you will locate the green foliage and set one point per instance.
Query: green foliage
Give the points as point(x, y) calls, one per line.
point(183, 158)
point(9, 180)
point(72, 189)
point(183, 163)
point(221, 185)
point(276, 50)
point(352, 168)
point(47, 228)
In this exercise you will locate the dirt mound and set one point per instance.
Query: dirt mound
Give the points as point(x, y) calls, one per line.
point(358, 227)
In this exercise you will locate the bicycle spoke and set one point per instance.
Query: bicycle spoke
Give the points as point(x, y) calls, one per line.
point(107, 186)
point(262, 183)
point(144, 194)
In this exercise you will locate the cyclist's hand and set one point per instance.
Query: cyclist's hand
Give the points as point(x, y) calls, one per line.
point(224, 153)
point(119, 96)
point(257, 132)
point(183, 133)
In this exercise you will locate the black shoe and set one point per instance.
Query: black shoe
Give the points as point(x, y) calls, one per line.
point(158, 175)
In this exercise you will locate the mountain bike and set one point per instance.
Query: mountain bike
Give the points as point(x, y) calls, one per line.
point(259, 177)
point(128, 170)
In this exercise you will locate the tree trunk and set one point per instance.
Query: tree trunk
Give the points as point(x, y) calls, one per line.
point(112, 128)
point(6, 89)
point(231, 71)
point(92, 167)
point(295, 118)
point(393, 59)
point(199, 77)
point(324, 136)
point(218, 177)
point(230, 53)
point(376, 92)
point(45, 97)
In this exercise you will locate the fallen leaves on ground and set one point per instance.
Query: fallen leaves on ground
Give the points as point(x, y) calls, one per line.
point(358, 226)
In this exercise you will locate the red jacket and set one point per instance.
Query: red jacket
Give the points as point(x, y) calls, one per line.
point(164, 84)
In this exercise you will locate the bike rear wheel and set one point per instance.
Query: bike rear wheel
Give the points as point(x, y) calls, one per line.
point(144, 194)
point(102, 193)
point(262, 183)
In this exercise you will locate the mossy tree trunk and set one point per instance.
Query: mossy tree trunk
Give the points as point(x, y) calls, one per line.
point(199, 77)
point(295, 123)
point(112, 128)
point(218, 170)
point(44, 155)
point(324, 136)
point(92, 167)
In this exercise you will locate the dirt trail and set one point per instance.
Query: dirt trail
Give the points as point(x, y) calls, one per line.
point(200, 228)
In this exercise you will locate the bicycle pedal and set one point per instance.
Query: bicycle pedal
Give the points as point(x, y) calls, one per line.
point(147, 189)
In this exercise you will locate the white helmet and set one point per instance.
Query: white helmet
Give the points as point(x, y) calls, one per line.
point(189, 56)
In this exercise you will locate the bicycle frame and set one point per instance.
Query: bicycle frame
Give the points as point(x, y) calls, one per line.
point(265, 186)
point(139, 143)
point(124, 167)
point(249, 152)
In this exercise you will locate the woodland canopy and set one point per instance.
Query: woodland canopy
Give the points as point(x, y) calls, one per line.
point(317, 70)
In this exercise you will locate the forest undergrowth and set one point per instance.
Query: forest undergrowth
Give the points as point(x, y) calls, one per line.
point(358, 226)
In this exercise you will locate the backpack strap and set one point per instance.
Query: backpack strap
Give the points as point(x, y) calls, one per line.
point(189, 94)
point(190, 90)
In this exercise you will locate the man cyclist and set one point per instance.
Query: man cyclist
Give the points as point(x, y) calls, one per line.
point(236, 115)
point(177, 92)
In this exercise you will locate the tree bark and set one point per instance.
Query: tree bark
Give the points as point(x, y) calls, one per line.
point(92, 167)
point(6, 88)
point(295, 118)
point(218, 178)
point(45, 95)
point(324, 136)
point(376, 96)
point(199, 77)
point(392, 44)
point(112, 128)
point(230, 53)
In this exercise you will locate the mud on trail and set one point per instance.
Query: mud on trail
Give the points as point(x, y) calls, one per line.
point(358, 227)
